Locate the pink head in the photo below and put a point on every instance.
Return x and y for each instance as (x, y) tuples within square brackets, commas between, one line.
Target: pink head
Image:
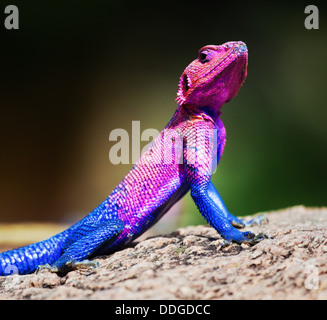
[(215, 77)]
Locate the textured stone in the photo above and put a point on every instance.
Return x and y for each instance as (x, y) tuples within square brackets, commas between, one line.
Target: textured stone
[(189, 264)]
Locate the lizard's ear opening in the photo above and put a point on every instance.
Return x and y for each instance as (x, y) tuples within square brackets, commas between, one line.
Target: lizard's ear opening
[(184, 86), (185, 83)]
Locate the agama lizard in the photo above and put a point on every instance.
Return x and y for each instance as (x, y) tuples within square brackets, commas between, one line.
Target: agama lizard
[(161, 177)]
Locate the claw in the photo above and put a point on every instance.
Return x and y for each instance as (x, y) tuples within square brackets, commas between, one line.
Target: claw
[(46, 267), (225, 244), (259, 237), (253, 239)]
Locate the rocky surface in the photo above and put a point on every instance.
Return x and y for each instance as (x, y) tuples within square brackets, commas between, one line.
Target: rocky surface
[(189, 264)]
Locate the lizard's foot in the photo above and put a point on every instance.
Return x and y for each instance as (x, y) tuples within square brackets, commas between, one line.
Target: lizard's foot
[(254, 239), (92, 243), (70, 265), (250, 239), (257, 221)]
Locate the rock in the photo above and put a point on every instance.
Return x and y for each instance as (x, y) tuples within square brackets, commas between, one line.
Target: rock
[(189, 264)]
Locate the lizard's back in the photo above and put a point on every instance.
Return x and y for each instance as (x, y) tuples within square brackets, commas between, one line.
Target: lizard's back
[(155, 183)]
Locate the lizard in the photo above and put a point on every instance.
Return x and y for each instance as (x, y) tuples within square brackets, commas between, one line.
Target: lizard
[(196, 136)]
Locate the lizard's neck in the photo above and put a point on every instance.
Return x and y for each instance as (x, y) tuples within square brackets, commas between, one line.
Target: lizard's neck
[(204, 112), (214, 114)]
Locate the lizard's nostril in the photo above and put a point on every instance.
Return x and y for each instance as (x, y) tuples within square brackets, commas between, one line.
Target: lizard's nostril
[(242, 48)]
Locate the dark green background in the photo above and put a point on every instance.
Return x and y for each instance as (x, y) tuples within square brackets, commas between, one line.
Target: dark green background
[(75, 70)]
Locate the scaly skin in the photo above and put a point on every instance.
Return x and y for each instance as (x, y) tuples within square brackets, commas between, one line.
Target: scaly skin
[(182, 158)]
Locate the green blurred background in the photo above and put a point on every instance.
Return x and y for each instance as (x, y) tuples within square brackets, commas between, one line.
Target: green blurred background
[(75, 70)]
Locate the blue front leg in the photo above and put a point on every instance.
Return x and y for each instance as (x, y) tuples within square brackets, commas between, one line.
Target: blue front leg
[(235, 221), (198, 159), (217, 215)]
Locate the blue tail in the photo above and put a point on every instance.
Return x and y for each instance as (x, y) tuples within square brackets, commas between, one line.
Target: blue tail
[(26, 259), (90, 235)]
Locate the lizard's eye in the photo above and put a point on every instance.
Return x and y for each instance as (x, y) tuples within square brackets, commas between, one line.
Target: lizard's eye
[(204, 56)]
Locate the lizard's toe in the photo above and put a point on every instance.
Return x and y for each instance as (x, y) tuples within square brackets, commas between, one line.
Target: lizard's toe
[(257, 221), (46, 267), (249, 238), (257, 238), (69, 266), (85, 264)]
